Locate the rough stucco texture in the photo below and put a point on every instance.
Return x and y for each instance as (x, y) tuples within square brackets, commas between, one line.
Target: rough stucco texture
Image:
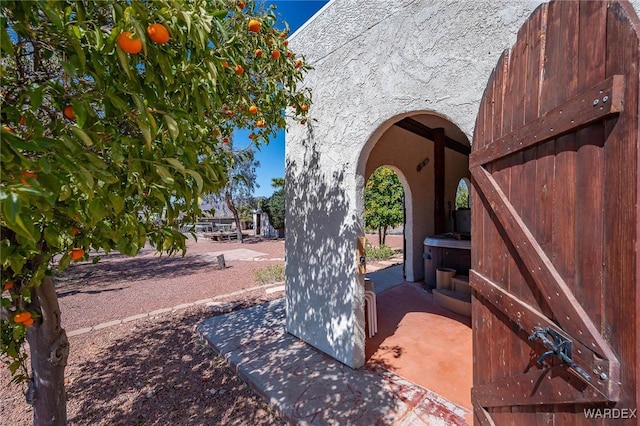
[(374, 61)]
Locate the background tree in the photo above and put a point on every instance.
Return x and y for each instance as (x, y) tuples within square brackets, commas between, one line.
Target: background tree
[(274, 206), (383, 202), (113, 124), (462, 195), (238, 192)]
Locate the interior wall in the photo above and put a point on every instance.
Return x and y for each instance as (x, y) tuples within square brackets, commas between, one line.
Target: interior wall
[(404, 150), (456, 168)]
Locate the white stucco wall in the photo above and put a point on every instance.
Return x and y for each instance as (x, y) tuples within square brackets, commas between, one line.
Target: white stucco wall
[(375, 62)]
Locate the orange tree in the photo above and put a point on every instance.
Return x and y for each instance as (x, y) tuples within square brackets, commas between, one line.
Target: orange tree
[(114, 121)]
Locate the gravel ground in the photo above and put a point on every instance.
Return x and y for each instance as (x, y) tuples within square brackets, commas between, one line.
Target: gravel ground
[(155, 370)]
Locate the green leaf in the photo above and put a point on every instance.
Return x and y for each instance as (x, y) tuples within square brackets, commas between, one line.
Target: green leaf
[(64, 262), (11, 208), (82, 136), (175, 163), (5, 40), (117, 202), (118, 102), (81, 114), (24, 227), (146, 133), (53, 16), (164, 174), (197, 178), (97, 210), (87, 180), (52, 236), (36, 97), (172, 125), (123, 58)]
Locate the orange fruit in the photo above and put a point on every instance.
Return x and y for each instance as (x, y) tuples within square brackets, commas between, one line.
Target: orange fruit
[(294, 106), (286, 42), (230, 114), (254, 26), (258, 53), (22, 316), (283, 34), (75, 231), (26, 174), (240, 5), (129, 44), (239, 70), (275, 54), (225, 140), (251, 136), (217, 132), (76, 253), (253, 109), (304, 107), (298, 63), (158, 33), (303, 121), (260, 123), (28, 322), (23, 121), (67, 111), (8, 286), (225, 64)]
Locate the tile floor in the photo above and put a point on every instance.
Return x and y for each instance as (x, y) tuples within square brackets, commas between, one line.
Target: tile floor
[(422, 342)]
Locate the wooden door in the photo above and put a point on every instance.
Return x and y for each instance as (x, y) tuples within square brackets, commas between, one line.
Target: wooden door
[(555, 232)]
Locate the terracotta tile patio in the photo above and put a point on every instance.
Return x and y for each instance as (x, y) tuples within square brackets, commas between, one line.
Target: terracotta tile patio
[(422, 342)]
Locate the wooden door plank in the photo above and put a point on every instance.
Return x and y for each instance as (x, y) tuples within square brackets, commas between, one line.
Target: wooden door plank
[(575, 113), (621, 224), (569, 313), (589, 282), (524, 110), (550, 385)]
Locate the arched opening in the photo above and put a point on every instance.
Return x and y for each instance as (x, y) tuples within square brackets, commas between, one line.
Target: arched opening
[(417, 334)]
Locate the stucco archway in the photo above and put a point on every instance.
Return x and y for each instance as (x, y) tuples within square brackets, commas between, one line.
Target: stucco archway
[(406, 144)]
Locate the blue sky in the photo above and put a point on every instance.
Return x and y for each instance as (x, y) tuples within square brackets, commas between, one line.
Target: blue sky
[(271, 157)]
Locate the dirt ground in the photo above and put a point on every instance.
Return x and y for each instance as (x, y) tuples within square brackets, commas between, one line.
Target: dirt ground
[(155, 370)]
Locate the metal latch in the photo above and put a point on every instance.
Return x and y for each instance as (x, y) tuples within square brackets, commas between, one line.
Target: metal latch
[(558, 345)]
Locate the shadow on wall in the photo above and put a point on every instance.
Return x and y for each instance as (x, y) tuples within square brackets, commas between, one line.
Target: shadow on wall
[(322, 304)]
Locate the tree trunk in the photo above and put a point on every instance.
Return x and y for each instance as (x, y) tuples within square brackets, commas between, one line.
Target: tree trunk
[(380, 236), (236, 216), (384, 234), (49, 352)]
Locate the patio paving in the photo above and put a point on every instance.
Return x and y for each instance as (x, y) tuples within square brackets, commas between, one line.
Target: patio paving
[(306, 386)]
